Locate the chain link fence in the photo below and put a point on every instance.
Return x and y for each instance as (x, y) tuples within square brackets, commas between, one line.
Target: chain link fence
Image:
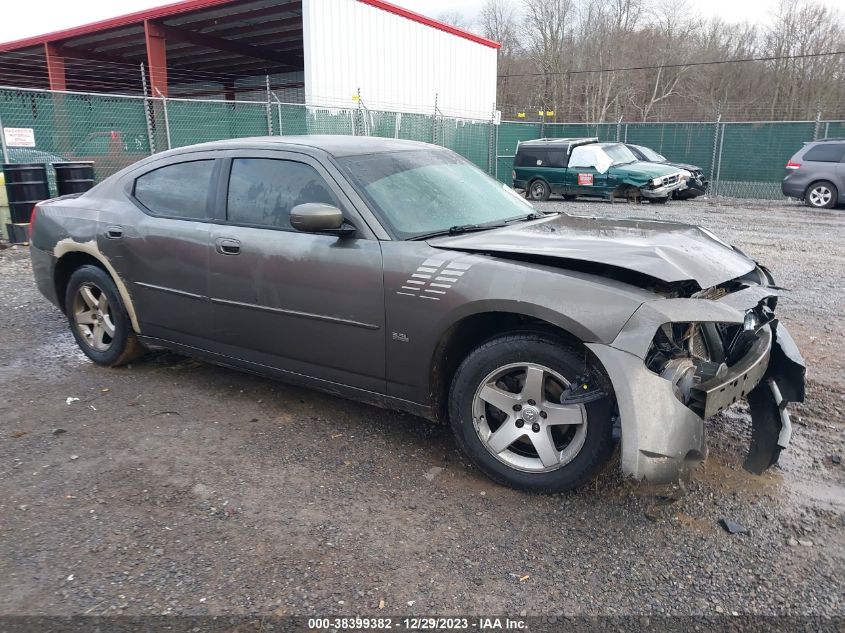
[(741, 159)]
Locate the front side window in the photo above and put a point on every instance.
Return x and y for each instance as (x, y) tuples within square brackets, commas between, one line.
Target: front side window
[(177, 191), (619, 154), (601, 157), (826, 153), (262, 191), (426, 191)]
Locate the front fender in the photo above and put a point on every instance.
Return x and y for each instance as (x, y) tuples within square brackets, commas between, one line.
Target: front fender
[(429, 291)]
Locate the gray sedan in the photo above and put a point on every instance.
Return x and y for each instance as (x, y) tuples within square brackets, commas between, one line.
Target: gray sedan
[(399, 274)]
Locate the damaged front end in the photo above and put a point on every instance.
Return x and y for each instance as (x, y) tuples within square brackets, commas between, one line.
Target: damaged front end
[(663, 186), (679, 361)]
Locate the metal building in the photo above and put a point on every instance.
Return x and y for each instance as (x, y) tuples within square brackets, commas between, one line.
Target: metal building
[(320, 52)]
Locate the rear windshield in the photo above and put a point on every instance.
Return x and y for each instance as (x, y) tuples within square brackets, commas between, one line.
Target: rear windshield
[(651, 155)]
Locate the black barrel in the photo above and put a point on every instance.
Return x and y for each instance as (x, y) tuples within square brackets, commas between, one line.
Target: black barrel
[(74, 177), (26, 184)]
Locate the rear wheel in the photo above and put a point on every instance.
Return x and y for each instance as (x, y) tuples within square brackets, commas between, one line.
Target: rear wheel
[(539, 191), (98, 319), (821, 195), (506, 411)]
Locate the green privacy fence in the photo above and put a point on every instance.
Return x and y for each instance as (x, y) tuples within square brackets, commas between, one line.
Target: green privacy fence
[(741, 159)]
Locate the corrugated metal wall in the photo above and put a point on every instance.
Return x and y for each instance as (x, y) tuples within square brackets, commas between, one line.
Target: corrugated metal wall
[(397, 63)]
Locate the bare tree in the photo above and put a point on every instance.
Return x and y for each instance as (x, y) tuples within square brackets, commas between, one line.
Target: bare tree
[(498, 21), (456, 18), (546, 40), (566, 55)]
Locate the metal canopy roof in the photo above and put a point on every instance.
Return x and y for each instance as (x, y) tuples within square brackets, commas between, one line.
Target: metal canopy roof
[(207, 41)]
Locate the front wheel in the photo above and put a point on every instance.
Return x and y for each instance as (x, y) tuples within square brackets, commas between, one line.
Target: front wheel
[(821, 195), (98, 319), (539, 191), (511, 411), (659, 200)]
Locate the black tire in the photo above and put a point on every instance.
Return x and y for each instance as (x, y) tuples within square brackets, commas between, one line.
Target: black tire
[(569, 196), (659, 200), (539, 190), (121, 347), (559, 357), (821, 195)]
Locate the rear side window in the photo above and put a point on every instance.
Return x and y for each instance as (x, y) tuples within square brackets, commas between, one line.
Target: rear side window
[(177, 191), (540, 157), (262, 191), (826, 153)]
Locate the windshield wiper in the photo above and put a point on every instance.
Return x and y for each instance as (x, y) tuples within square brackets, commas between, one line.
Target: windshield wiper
[(531, 216), (460, 228)]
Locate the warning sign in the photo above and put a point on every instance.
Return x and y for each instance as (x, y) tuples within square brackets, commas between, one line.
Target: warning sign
[(19, 136), (585, 179)]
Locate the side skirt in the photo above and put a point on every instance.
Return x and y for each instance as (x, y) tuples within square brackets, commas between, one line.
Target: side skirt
[(293, 378)]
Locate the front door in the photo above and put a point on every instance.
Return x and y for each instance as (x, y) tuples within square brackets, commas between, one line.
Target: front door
[(310, 304), (586, 181)]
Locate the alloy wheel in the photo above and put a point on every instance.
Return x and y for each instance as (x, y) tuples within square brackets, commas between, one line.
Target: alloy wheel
[(538, 190), (519, 419), (92, 315), (820, 196)]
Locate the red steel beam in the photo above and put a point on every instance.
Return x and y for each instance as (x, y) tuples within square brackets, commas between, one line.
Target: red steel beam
[(55, 67), (156, 58)]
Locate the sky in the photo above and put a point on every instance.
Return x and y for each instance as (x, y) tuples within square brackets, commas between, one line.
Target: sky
[(35, 17)]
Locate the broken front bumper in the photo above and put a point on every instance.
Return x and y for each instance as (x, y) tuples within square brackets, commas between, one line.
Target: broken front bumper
[(660, 434), (661, 192)]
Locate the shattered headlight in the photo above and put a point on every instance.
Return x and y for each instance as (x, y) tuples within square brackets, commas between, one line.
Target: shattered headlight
[(751, 321)]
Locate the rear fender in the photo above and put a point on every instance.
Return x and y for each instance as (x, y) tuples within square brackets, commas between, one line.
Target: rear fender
[(68, 245)]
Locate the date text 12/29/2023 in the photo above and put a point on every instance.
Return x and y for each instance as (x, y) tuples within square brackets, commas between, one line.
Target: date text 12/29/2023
[(416, 624)]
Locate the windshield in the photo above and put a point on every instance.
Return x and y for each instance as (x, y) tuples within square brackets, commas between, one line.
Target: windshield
[(429, 191), (619, 154), (651, 155)]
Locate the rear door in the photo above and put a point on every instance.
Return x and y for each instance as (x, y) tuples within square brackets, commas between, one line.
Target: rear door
[(162, 248), (309, 304)]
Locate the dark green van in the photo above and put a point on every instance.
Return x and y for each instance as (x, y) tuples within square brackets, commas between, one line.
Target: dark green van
[(575, 167)]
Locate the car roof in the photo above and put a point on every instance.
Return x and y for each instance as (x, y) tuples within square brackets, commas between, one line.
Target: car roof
[(334, 145)]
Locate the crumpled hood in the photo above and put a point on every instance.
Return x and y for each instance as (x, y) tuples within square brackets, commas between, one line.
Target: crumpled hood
[(642, 169), (667, 251), (687, 166)]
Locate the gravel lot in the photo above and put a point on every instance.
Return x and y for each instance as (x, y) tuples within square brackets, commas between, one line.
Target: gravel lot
[(176, 487)]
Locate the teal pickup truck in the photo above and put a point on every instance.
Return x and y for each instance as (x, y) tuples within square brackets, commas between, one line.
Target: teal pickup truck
[(575, 167)]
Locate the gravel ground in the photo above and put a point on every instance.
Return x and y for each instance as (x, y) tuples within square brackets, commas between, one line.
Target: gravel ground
[(176, 487)]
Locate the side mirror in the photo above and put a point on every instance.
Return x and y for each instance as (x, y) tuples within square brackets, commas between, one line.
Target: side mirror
[(318, 217)]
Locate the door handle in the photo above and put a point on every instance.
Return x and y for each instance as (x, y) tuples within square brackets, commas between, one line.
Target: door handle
[(228, 246), (114, 232)]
